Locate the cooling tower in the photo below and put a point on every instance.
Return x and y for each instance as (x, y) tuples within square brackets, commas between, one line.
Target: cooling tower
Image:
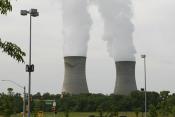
[(75, 75), (125, 81)]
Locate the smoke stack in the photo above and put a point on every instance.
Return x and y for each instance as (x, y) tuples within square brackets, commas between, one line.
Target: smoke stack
[(125, 81), (75, 75)]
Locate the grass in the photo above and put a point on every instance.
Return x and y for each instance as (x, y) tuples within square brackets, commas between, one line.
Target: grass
[(75, 114)]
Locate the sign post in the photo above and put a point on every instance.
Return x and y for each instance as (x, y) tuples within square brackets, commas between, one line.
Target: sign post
[(54, 106)]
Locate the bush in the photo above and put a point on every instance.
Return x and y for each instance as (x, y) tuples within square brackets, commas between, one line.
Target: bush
[(153, 111)]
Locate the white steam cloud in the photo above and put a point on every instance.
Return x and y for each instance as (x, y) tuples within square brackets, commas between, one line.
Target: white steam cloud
[(118, 28), (76, 26)]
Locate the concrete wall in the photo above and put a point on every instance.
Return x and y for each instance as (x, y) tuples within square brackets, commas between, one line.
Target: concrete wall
[(125, 81), (75, 75)]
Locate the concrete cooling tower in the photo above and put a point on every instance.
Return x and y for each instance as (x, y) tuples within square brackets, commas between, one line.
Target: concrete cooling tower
[(125, 81), (75, 75)]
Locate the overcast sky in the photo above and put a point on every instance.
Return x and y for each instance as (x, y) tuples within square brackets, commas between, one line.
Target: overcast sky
[(154, 36)]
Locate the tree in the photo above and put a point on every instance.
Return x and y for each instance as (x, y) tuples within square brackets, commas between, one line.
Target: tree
[(10, 48), (153, 111), (164, 95), (5, 6), (10, 91), (115, 110), (7, 104), (173, 111), (165, 108), (171, 100), (137, 99), (100, 110), (18, 102), (46, 96), (37, 96)]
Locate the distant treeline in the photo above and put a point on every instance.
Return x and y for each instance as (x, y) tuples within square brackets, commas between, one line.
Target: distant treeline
[(162, 102)]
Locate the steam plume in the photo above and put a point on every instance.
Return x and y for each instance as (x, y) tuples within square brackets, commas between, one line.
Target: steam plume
[(118, 28), (76, 26)]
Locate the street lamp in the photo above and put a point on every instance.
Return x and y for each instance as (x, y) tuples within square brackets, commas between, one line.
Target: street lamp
[(24, 88), (30, 67), (144, 57)]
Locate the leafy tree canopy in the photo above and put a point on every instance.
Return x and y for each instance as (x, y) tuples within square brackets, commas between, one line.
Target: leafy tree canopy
[(5, 6)]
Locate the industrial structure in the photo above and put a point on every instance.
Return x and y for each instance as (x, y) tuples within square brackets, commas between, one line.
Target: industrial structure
[(125, 77), (75, 75)]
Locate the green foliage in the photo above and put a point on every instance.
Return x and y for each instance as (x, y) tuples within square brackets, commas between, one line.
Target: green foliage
[(18, 102), (173, 111), (13, 50), (164, 95), (115, 110), (100, 110), (10, 48), (136, 111), (137, 99), (153, 111), (165, 107), (10, 91), (5, 6), (104, 105), (171, 100), (66, 113), (6, 105)]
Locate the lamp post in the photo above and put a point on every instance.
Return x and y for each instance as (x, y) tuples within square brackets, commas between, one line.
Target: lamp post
[(144, 58), (30, 67), (24, 97)]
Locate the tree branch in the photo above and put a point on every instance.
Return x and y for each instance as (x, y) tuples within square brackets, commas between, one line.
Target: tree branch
[(13, 50), (5, 6)]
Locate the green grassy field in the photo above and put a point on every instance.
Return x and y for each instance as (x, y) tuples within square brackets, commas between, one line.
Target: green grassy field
[(78, 114)]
